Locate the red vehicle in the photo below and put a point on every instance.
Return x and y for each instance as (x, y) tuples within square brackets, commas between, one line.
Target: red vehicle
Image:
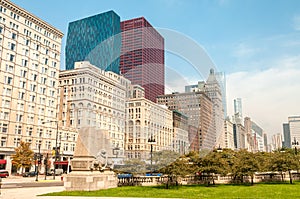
[(4, 174)]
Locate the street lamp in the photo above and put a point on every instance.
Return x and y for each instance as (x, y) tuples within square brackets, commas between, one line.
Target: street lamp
[(295, 142), (56, 152), (38, 159), (219, 149), (151, 141)]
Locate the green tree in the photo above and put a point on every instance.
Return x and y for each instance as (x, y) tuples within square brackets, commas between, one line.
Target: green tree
[(182, 167), (23, 156), (245, 164), (134, 166), (213, 163), (284, 161), (163, 158)]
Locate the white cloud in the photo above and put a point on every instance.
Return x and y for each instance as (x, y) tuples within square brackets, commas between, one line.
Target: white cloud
[(296, 22), (268, 96), (244, 50)]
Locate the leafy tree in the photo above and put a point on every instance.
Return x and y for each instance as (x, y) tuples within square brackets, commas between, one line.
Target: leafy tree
[(182, 167), (213, 163), (283, 161), (24, 156), (245, 164), (134, 166), (163, 158)]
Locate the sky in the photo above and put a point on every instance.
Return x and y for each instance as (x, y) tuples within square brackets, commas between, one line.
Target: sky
[(255, 42)]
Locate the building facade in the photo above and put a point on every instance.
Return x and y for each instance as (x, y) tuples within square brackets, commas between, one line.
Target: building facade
[(294, 126), (228, 130), (197, 106), (181, 143), (213, 90), (29, 64), (148, 125), (96, 39), (286, 135), (142, 56), (91, 97)]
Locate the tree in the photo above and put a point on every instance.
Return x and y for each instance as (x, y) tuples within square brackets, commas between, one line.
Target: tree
[(182, 167), (134, 166), (163, 158), (283, 161), (245, 164), (24, 156), (213, 163)]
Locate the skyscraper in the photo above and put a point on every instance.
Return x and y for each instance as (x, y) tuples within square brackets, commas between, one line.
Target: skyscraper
[(96, 39), (238, 110), (142, 56)]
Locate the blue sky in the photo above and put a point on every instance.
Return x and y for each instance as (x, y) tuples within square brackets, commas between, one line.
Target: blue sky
[(255, 42)]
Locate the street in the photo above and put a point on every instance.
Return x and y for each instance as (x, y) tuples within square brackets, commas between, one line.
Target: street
[(21, 187)]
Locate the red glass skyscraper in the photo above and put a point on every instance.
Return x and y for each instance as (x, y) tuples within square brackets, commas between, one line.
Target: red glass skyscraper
[(142, 56)]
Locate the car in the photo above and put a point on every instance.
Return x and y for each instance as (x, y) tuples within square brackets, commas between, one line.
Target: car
[(58, 172), (4, 174), (30, 174)]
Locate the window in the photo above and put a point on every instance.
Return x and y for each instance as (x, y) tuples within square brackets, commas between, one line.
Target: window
[(13, 35), (19, 117), (3, 141), (7, 91), (3, 128), (29, 131), (21, 95), (6, 103), (24, 62), (8, 80), (11, 57), (18, 129)]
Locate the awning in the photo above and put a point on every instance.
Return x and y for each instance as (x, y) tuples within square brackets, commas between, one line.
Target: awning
[(2, 161), (61, 163)]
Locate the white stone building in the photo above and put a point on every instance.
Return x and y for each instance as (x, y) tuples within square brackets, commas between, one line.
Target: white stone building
[(91, 97), (29, 64), (147, 123)]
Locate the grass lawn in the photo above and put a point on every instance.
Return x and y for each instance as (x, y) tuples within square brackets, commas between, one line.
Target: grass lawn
[(272, 191)]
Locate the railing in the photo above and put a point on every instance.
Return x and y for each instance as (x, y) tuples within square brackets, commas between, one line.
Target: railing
[(203, 179)]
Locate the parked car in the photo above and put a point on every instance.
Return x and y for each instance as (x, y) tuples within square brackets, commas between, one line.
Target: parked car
[(58, 172), (30, 174), (4, 174)]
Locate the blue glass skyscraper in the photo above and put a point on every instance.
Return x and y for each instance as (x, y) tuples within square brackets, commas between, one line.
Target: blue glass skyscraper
[(96, 39)]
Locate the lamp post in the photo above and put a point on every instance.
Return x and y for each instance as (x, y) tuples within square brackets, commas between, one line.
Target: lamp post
[(38, 158), (151, 141), (56, 138), (295, 142)]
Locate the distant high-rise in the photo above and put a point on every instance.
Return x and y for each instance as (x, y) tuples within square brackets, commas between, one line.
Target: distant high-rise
[(142, 56), (96, 39), (220, 76), (286, 135), (238, 110), (294, 127)]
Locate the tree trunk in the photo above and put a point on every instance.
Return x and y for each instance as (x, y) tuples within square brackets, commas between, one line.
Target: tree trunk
[(252, 181), (281, 176), (290, 175)]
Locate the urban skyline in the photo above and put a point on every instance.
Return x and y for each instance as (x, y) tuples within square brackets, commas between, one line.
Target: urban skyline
[(257, 49), (28, 33)]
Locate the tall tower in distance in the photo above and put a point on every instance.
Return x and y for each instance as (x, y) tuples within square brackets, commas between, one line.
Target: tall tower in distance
[(142, 56), (238, 109), (96, 39)]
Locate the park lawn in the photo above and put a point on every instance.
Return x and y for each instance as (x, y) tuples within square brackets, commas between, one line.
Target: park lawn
[(274, 191)]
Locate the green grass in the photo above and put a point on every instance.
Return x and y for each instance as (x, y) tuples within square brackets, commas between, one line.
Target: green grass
[(272, 191)]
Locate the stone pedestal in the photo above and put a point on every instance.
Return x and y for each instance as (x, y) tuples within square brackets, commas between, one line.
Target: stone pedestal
[(89, 165), (90, 180)]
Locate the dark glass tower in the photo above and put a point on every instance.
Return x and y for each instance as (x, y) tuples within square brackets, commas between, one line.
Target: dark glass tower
[(96, 39), (142, 56)]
